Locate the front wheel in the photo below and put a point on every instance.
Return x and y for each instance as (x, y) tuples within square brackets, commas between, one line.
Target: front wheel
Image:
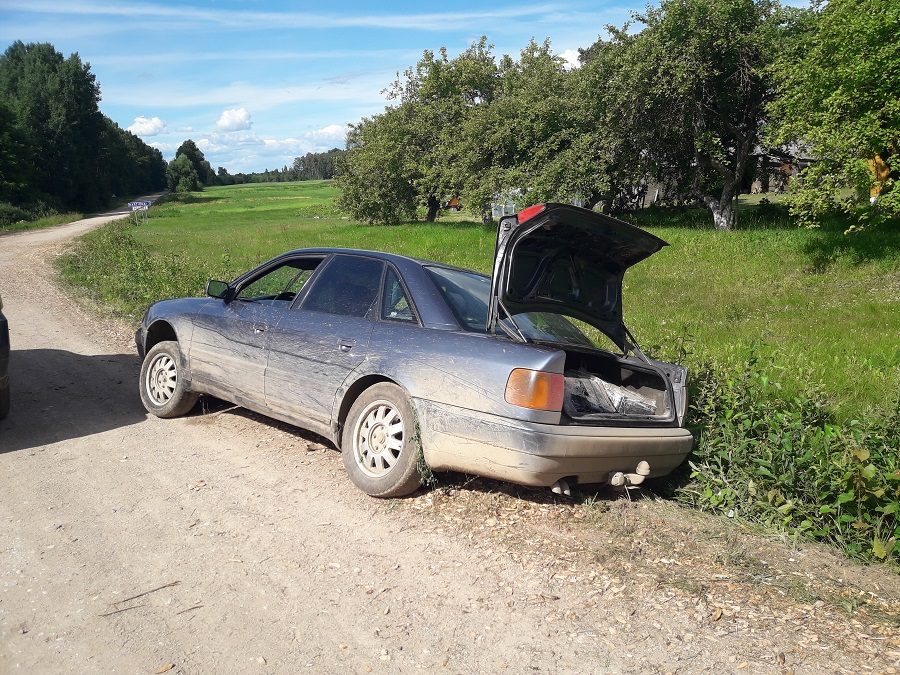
[(379, 447), (163, 389)]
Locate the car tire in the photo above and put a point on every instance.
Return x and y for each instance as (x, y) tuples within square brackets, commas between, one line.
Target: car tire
[(4, 401), (380, 446), (164, 391)]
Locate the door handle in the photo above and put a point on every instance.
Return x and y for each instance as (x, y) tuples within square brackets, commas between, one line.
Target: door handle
[(260, 328), (345, 345)]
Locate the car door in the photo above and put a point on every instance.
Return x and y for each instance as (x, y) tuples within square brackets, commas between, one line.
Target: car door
[(316, 344), (228, 346)]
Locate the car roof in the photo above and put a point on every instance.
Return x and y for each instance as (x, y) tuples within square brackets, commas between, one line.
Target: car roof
[(395, 258)]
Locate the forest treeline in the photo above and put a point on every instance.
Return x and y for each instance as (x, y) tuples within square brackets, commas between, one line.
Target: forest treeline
[(57, 150), (190, 171)]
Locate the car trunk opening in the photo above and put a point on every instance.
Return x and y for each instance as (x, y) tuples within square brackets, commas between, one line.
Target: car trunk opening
[(604, 389)]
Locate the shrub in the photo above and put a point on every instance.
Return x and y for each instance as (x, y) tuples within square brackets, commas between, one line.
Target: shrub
[(10, 214), (784, 462)]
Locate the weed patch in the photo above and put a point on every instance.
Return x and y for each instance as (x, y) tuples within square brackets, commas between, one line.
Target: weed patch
[(112, 268), (784, 461)]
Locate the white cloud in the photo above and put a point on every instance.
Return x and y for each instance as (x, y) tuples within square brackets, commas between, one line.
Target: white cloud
[(284, 144), (165, 148), (236, 119), (571, 58), (333, 133), (147, 126)]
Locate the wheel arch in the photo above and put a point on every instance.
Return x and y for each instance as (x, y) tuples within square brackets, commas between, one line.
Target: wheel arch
[(159, 331), (354, 391)]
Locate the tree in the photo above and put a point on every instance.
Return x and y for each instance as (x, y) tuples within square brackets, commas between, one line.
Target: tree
[(223, 177), (181, 176), (55, 101), (521, 138), (413, 149), (316, 165), (56, 148), (202, 167), (437, 96), (839, 97), (16, 174), (689, 93), (375, 180)]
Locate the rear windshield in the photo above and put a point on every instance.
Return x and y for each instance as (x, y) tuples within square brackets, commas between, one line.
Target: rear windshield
[(468, 293)]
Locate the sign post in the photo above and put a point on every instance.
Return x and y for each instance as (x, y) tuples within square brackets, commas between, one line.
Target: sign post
[(141, 208)]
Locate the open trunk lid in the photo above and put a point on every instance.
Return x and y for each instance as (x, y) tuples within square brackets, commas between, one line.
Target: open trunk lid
[(566, 260)]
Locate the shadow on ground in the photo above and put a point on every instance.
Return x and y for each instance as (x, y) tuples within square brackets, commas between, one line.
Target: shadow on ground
[(830, 244), (59, 395)]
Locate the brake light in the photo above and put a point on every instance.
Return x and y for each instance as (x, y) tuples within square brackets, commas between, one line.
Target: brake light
[(535, 389), (531, 212)]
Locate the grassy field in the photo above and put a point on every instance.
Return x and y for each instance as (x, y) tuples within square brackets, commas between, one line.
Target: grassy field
[(823, 306)]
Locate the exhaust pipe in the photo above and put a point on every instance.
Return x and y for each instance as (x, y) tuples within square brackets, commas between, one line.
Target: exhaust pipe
[(561, 487)]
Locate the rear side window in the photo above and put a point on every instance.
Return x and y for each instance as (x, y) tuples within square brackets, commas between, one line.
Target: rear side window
[(348, 286), (394, 303)]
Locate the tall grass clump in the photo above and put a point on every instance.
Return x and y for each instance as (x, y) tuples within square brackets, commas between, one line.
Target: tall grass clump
[(782, 460), (111, 267)]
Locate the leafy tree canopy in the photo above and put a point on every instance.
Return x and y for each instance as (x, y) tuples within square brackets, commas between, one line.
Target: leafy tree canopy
[(202, 167), (181, 176), (839, 99)]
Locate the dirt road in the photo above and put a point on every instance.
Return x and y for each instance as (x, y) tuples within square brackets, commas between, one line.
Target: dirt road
[(225, 543)]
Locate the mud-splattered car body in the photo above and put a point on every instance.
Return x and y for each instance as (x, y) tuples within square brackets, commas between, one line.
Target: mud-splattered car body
[(490, 367)]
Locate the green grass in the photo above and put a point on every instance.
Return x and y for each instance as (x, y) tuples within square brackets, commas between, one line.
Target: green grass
[(817, 303), (46, 221)]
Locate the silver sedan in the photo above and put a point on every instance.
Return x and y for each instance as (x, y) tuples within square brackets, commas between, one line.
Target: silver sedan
[(528, 376)]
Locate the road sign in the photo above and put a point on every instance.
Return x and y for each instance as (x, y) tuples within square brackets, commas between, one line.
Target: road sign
[(136, 206)]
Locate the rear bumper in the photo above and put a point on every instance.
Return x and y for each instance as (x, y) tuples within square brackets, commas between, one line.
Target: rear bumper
[(528, 453)]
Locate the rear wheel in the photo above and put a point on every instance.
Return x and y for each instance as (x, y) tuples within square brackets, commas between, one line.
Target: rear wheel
[(380, 450), (163, 389)]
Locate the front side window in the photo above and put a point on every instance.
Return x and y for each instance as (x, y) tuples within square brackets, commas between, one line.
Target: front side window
[(348, 286), (394, 303), (280, 286)]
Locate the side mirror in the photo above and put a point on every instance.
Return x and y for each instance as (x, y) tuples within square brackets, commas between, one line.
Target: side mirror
[(218, 289)]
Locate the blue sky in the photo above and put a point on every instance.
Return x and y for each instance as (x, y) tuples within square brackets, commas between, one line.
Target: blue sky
[(256, 83)]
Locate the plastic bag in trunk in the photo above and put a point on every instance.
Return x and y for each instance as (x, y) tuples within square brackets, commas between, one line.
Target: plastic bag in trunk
[(587, 394)]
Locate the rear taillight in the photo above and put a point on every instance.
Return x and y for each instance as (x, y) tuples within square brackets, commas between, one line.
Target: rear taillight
[(530, 212), (535, 389)]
